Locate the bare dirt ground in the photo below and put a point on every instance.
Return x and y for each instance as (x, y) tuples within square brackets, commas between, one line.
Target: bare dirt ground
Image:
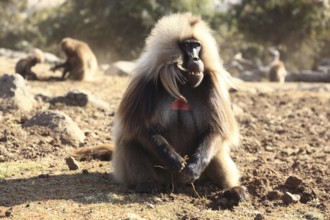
[(285, 148)]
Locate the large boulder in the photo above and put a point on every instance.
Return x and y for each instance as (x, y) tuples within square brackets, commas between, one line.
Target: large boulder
[(15, 93), (61, 126), (75, 98), (121, 68)]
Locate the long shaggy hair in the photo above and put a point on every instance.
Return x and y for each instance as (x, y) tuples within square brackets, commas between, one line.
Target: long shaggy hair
[(161, 62), (82, 59)]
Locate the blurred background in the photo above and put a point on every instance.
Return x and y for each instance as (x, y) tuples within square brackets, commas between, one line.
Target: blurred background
[(116, 29)]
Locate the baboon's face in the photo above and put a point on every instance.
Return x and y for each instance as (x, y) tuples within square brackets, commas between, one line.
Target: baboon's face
[(193, 67)]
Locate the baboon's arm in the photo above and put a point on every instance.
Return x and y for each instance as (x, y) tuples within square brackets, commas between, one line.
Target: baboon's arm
[(159, 146), (201, 158)]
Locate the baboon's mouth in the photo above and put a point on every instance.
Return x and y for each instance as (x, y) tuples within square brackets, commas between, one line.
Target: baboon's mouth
[(193, 79), (195, 73)]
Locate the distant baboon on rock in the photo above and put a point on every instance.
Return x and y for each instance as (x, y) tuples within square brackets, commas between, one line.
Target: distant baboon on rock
[(24, 65), (277, 71), (80, 64)]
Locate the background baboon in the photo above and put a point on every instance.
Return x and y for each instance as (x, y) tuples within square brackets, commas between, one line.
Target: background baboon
[(80, 64), (175, 122), (24, 65), (277, 71)]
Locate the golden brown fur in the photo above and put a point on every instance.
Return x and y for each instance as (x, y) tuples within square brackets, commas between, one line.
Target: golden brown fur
[(81, 63), (277, 72), (103, 152), (147, 134), (24, 65)]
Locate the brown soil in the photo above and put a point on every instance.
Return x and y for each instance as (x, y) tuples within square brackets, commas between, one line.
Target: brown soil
[(285, 133)]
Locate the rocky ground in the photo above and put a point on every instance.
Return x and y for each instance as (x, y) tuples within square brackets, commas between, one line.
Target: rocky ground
[(284, 157)]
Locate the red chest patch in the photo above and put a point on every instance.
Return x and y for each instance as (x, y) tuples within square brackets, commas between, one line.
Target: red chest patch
[(180, 104)]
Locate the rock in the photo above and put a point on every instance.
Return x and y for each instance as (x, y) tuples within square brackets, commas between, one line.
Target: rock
[(8, 213), (76, 98), (51, 58), (44, 175), (15, 93), (292, 182), (12, 53), (73, 98), (274, 195), (60, 125), (150, 206), (308, 76), (157, 199), (121, 68), (250, 76), (259, 217), (289, 198), (72, 163)]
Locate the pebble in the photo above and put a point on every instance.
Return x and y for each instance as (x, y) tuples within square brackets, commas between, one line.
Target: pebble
[(274, 195), (289, 198), (8, 213), (72, 163), (150, 206), (293, 182), (44, 175), (259, 217)]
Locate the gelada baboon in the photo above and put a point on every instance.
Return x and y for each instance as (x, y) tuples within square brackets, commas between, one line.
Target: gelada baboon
[(24, 65), (277, 71), (80, 64), (175, 123)]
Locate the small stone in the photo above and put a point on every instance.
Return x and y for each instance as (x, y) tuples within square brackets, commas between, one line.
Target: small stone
[(84, 171), (292, 182), (274, 195), (150, 206), (289, 198), (8, 213), (259, 217), (44, 175), (269, 148), (157, 199), (72, 163)]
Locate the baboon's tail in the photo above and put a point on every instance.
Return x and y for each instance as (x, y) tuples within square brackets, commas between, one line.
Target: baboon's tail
[(100, 152)]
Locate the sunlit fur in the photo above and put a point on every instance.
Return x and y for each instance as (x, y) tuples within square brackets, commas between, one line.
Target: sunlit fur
[(161, 60), (83, 63), (277, 71)]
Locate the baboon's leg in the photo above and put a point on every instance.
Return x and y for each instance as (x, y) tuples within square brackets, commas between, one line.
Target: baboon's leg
[(222, 170), (132, 166)]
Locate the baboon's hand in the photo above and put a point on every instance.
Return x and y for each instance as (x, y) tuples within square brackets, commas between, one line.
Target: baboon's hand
[(190, 173), (175, 162)]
